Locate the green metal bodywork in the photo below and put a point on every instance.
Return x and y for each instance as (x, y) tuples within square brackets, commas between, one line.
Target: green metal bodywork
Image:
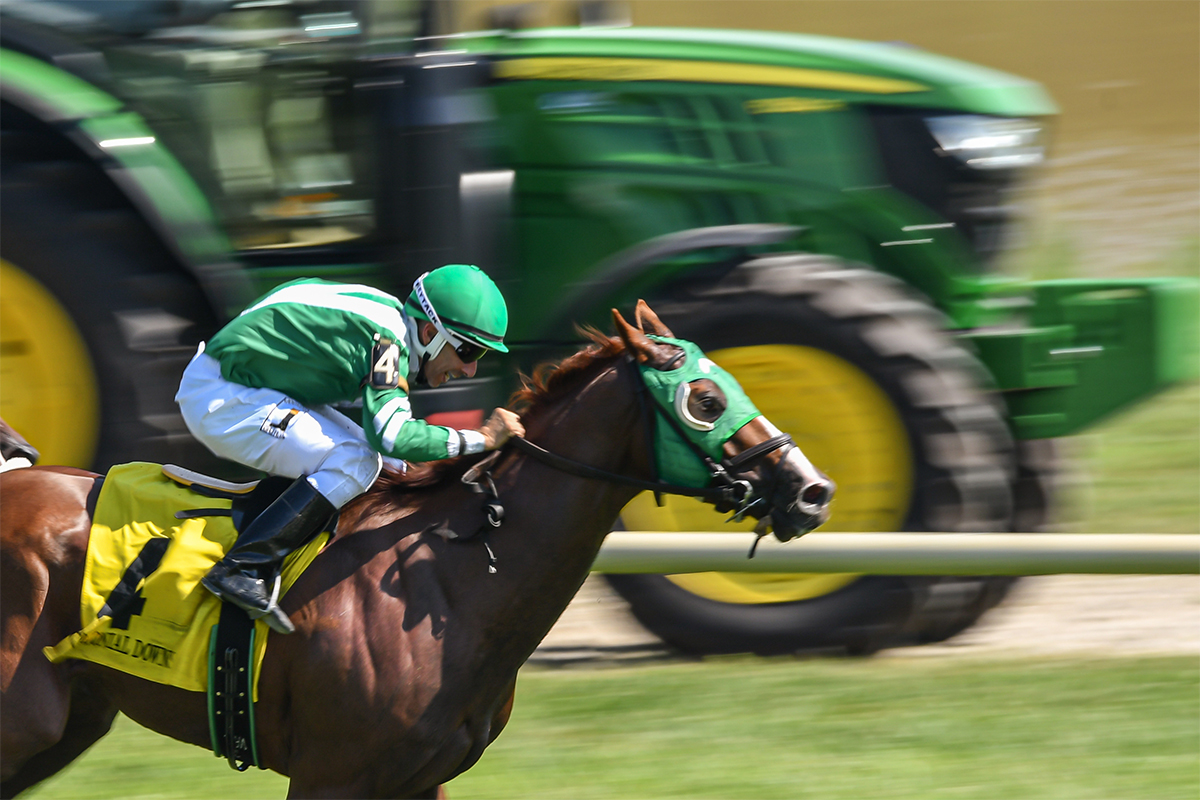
[(618, 136), (155, 182), (918, 78), (630, 157), (60, 95), (1094, 347)]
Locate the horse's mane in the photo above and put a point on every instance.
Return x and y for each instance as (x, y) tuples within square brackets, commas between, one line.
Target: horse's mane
[(548, 384)]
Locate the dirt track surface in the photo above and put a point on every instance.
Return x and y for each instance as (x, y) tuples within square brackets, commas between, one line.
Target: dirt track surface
[(1070, 615)]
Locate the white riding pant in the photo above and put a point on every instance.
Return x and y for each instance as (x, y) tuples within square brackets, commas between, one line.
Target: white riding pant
[(267, 430)]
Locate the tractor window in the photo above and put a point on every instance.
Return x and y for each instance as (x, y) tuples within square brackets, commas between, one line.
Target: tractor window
[(258, 102)]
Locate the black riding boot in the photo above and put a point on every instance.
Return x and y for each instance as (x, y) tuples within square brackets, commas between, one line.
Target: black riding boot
[(248, 575)]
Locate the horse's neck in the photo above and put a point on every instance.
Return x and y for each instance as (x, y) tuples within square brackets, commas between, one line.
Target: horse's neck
[(555, 522)]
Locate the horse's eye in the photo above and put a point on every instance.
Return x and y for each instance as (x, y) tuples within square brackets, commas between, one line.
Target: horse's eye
[(707, 401)]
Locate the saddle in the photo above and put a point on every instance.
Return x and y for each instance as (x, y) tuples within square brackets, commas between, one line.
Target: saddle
[(156, 532)]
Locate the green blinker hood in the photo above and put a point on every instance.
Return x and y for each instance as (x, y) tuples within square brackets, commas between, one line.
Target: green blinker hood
[(678, 463)]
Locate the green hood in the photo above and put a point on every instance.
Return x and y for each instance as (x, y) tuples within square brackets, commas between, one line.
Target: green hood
[(678, 463)]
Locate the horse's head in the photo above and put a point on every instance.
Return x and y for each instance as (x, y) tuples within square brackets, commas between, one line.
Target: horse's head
[(708, 432)]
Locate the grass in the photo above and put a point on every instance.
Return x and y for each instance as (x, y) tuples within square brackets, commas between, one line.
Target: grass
[(1140, 472), (830, 729), (752, 728), (782, 728)]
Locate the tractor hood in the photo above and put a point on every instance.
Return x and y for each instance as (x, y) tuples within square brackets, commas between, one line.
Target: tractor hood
[(846, 69)]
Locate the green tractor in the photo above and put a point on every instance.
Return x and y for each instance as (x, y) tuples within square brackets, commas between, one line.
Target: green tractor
[(822, 215)]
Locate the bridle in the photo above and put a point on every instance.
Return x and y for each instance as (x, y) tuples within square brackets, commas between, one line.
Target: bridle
[(724, 485)]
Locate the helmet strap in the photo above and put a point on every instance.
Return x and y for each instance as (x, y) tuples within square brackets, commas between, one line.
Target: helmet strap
[(422, 354), (427, 352), (421, 379), (426, 306)]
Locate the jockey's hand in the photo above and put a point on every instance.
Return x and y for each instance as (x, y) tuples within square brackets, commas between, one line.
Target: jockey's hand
[(500, 426)]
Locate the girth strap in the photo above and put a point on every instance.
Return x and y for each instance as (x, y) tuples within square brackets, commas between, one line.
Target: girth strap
[(230, 689)]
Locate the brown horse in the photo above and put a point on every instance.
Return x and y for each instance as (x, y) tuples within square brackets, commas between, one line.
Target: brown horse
[(405, 657)]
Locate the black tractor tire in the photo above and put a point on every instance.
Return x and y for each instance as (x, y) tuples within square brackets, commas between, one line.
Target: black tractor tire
[(963, 462), (74, 242), (955, 604)]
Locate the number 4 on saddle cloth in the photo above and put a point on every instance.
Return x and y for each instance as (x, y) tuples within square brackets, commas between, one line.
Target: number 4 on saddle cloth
[(156, 532)]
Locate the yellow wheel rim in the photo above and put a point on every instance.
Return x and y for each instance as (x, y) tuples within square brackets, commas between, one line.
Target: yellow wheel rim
[(844, 423), (47, 384)]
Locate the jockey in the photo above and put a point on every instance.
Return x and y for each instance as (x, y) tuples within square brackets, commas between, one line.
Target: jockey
[(258, 394)]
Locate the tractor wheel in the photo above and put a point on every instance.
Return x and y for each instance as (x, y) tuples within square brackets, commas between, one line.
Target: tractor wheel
[(97, 322), (864, 378), (955, 604)]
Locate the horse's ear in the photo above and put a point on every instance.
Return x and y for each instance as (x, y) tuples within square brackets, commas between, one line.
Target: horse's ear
[(649, 322), (635, 341), (645, 350)]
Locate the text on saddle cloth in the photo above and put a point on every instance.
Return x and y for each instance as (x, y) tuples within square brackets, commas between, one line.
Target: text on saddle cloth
[(143, 609)]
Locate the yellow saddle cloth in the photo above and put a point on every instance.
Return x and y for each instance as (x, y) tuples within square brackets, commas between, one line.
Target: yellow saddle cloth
[(162, 633)]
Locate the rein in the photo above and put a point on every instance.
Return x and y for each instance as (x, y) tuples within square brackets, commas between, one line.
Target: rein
[(579, 469)]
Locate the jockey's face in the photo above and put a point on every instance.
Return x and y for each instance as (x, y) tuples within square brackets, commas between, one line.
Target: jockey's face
[(446, 364)]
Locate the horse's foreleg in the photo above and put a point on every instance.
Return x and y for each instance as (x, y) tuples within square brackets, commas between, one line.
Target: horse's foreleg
[(26, 582), (46, 720), (35, 694), (36, 710), (90, 716)]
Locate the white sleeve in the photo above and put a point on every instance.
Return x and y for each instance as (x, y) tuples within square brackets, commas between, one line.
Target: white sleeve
[(464, 442)]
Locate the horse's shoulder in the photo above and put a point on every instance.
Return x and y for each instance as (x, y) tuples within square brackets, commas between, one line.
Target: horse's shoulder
[(44, 532), (45, 508)]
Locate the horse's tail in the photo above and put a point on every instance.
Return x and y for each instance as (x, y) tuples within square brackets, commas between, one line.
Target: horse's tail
[(15, 452)]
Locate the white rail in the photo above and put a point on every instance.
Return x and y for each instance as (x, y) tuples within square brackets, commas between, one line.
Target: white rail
[(904, 553)]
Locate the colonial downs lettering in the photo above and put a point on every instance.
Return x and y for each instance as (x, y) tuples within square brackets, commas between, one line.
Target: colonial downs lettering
[(134, 648)]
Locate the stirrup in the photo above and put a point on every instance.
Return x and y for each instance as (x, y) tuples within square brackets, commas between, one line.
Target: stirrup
[(270, 613), (274, 617)]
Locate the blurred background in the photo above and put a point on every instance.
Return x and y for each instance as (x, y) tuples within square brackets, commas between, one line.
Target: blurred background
[(1119, 196), (369, 141)]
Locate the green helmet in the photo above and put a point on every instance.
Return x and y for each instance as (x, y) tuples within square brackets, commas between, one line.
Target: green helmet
[(462, 300)]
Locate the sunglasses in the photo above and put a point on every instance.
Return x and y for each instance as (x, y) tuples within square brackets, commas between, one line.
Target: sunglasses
[(469, 351)]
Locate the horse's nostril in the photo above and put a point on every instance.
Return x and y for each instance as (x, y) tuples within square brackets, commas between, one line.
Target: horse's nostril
[(814, 494)]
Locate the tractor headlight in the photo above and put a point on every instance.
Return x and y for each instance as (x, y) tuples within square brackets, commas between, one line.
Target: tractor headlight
[(989, 142)]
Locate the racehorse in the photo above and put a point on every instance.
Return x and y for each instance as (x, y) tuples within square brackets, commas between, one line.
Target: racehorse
[(403, 665)]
